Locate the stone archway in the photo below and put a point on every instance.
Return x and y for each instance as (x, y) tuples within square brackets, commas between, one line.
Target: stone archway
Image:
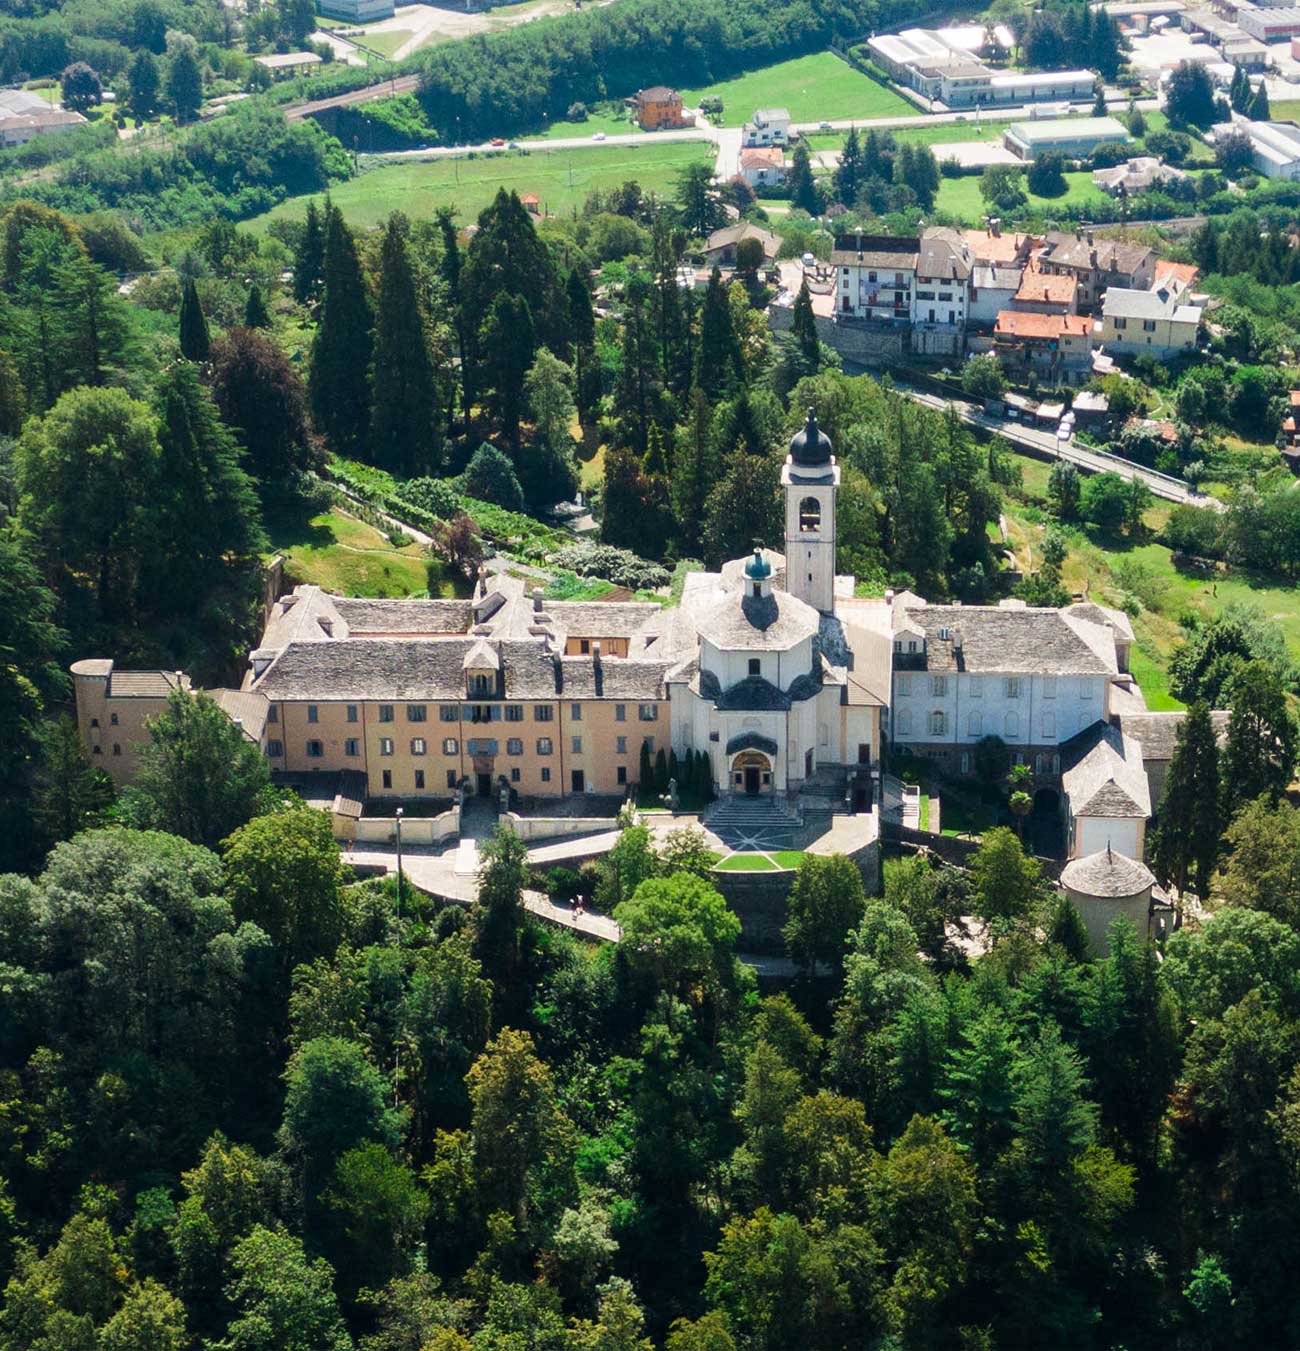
[(751, 773)]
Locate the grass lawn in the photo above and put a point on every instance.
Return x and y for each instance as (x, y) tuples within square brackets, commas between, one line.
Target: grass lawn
[(611, 119), (341, 554), (814, 88), (591, 468), (1285, 111), (561, 178), (747, 863), (788, 858), (941, 133), (924, 818), (385, 42), (961, 197)]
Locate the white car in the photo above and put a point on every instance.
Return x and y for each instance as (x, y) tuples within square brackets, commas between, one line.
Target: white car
[(598, 136)]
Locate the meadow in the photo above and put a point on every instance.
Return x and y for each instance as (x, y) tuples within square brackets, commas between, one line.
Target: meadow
[(961, 197)]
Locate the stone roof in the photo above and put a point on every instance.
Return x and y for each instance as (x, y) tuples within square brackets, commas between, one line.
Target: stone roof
[(1108, 875), (1010, 640), (145, 684), (428, 617), (1123, 303), (245, 707), (657, 93), (745, 229), (602, 619), (882, 251), (996, 276), (1157, 733), (943, 255), (1088, 253), (1105, 774), (1102, 614), (772, 623)]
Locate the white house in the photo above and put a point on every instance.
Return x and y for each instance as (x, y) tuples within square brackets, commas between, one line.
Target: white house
[(771, 126), (1107, 797), (763, 167), (992, 288), (875, 276), (943, 269)]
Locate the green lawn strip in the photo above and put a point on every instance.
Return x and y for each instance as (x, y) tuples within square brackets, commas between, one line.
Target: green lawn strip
[(961, 197), (747, 863), (818, 87), (561, 178), (787, 858), (603, 119), (924, 819), (385, 43)]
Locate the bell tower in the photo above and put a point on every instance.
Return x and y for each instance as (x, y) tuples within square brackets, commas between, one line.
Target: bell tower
[(810, 477)]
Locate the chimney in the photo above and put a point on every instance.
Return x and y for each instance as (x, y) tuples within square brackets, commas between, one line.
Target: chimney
[(889, 595), (1090, 238), (1092, 258), (597, 671), (595, 654)]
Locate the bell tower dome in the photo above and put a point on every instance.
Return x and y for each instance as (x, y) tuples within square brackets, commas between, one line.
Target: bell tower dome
[(810, 478)]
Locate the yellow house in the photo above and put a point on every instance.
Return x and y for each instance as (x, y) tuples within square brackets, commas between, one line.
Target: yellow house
[(1157, 321)]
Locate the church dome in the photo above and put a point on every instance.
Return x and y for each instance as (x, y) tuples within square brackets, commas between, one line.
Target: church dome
[(811, 446), (758, 569)]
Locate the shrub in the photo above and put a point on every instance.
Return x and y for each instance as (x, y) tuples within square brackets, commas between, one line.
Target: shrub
[(619, 566), (437, 496)]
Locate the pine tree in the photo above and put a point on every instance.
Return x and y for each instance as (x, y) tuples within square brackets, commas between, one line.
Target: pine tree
[(403, 436), (851, 172), (1259, 109), (339, 384), (185, 82), (13, 399), (1260, 753), (803, 189), (717, 355), (255, 315), (144, 84), (1186, 844), (195, 342), (508, 341), (309, 258), (925, 176), (582, 334), (694, 471), (804, 328)]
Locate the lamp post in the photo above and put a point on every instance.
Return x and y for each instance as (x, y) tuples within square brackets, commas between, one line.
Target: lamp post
[(398, 814)]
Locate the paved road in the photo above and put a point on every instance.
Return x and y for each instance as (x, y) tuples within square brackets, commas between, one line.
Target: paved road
[(1049, 446)]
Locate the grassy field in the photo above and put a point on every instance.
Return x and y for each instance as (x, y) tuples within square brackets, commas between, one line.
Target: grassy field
[(612, 119), (344, 555), (561, 178), (961, 197), (814, 88), (386, 42), (1285, 111), (941, 133)]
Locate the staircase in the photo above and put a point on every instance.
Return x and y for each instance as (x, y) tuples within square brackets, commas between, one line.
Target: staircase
[(765, 822)]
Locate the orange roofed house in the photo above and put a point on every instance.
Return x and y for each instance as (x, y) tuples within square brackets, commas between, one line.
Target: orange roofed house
[(659, 107), (1056, 347)]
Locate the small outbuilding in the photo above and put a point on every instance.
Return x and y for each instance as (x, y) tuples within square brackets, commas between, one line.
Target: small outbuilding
[(1107, 884)]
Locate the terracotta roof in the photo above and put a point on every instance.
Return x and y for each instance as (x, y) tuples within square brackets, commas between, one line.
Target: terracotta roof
[(1046, 287), (986, 247), (1182, 273), (1015, 324), (1107, 874), (745, 229), (762, 157)]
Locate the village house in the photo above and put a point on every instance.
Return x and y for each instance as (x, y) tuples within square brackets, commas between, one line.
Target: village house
[(763, 167), (1057, 348), (24, 116), (1045, 293), (1135, 175), (660, 108), (1155, 321), (943, 268), (875, 277), (770, 126), (1097, 263), (993, 286), (720, 247)]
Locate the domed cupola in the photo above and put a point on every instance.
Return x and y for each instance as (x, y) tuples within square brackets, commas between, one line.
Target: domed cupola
[(758, 575), (811, 447)]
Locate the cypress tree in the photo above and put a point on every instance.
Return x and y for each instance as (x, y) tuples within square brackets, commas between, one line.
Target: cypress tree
[(645, 775), (340, 356), (508, 341), (1099, 102), (693, 474), (1259, 109), (717, 355), (582, 334), (803, 189), (674, 769), (804, 329), (195, 341), (661, 771), (402, 436), (309, 258), (851, 171), (255, 315), (1186, 844)]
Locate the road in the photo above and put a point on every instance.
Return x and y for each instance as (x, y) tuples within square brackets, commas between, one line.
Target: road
[(1049, 446)]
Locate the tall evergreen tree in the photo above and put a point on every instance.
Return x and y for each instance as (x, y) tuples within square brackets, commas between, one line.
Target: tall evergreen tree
[(309, 257), (1186, 844), (851, 172), (717, 354), (450, 267), (340, 356), (1259, 107), (804, 329), (13, 398), (144, 84), (803, 189), (1260, 754), (185, 81), (582, 334), (508, 341), (255, 315), (693, 474), (195, 341), (403, 436)]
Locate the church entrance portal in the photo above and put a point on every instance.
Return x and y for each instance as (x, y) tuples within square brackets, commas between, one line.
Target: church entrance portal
[(751, 773)]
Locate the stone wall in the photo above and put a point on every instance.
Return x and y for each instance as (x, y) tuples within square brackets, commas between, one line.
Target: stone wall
[(862, 343), (383, 829), (557, 827)]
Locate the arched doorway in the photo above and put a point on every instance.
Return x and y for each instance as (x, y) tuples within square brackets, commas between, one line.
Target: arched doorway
[(751, 773)]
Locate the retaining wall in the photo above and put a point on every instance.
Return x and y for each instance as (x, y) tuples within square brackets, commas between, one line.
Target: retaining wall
[(415, 829), (557, 827)]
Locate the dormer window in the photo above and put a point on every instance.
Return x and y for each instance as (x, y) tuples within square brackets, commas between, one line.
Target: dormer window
[(481, 682)]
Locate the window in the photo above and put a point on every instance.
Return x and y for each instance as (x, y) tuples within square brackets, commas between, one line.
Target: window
[(1012, 688), (275, 749), (315, 750), (514, 712), (385, 712), (1049, 687), (419, 778), (97, 750), (312, 713), (1148, 326), (451, 778), (388, 778), (117, 748), (514, 774), (1011, 724), (543, 745), (975, 724), (273, 713), (575, 712), (622, 774), (576, 745), (620, 745), (415, 712), (480, 684), (810, 516), (758, 590), (450, 746), (1049, 724), (418, 745), (649, 743), (936, 723), (352, 746), (938, 686), (648, 712), (352, 712), (543, 713), (975, 687), (965, 762), (546, 774), (620, 712), (904, 685), (584, 646), (449, 712), (1085, 688), (514, 746), (385, 745), (112, 719), (1121, 324), (904, 722)]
